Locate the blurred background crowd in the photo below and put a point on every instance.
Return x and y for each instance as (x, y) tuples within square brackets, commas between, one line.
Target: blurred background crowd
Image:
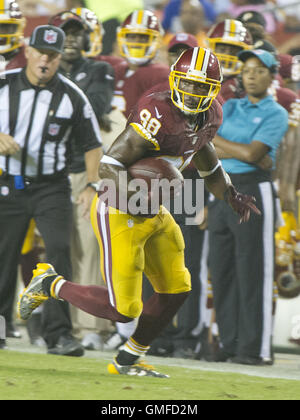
[(282, 16)]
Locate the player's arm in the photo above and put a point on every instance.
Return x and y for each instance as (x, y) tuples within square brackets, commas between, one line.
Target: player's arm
[(219, 184), (210, 169), (130, 146)]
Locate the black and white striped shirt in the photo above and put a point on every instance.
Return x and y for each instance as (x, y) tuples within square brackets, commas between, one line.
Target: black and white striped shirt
[(42, 120)]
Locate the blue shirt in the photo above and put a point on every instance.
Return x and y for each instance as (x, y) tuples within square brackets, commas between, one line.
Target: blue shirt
[(243, 122)]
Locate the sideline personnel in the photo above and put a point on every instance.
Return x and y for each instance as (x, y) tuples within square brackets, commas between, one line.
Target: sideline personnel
[(96, 80), (242, 280), (40, 110)]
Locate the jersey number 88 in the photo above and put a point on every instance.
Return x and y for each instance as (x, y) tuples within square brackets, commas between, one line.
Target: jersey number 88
[(150, 123)]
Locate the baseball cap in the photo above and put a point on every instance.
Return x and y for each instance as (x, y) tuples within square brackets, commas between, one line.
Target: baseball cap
[(251, 16), (48, 37), (62, 20), (183, 38), (265, 57), (263, 44)]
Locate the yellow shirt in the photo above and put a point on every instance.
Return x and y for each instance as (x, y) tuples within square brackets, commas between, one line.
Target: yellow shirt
[(107, 9)]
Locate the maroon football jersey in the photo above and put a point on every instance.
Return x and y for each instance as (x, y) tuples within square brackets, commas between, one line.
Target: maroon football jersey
[(18, 61), (111, 59), (130, 85), (231, 88), (171, 135), (290, 101)]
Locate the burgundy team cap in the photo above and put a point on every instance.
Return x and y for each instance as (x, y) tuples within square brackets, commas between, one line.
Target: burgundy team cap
[(183, 38)]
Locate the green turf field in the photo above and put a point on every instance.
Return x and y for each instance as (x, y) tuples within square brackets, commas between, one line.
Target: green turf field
[(29, 376)]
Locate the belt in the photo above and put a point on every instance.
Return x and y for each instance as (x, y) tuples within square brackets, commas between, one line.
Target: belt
[(36, 179)]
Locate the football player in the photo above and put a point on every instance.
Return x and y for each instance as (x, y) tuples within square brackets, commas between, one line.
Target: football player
[(95, 35), (139, 37), (226, 39), (12, 25), (176, 125)]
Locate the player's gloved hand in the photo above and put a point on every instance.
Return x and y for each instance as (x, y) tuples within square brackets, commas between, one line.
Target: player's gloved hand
[(241, 204)]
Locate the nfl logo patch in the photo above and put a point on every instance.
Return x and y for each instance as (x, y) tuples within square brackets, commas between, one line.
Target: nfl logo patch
[(50, 36), (4, 190), (53, 129)]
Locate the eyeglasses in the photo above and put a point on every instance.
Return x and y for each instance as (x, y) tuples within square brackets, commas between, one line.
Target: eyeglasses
[(256, 71)]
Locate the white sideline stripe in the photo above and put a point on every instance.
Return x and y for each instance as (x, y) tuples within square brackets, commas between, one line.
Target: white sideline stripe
[(268, 238), (106, 252), (203, 279)]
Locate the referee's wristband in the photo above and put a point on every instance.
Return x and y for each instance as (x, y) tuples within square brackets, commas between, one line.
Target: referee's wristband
[(93, 185)]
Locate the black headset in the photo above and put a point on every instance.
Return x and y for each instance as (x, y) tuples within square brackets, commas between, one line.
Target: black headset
[(54, 21)]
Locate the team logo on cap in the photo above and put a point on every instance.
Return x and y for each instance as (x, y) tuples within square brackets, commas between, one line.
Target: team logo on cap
[(50, 36)]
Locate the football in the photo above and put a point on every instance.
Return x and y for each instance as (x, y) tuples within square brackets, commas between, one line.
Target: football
[(155, 171), (155, 168)]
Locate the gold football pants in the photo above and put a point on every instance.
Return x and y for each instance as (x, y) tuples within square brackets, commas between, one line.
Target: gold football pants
[(130, 245)]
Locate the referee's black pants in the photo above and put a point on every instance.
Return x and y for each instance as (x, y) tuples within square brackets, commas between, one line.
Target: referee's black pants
[(49, 203), (241, 261)]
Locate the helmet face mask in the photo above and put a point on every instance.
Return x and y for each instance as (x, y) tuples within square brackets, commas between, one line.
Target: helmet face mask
[(139, 37), (195, 80), (236, 37), (227, 56), (12, 25), (295, 69), (96, 30)]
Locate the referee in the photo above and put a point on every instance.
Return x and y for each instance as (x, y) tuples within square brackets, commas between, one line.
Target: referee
[(40, 111), (96, 80)]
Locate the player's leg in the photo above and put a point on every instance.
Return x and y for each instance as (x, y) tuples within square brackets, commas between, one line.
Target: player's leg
[(165, 268), (121, 250), (85, 258)]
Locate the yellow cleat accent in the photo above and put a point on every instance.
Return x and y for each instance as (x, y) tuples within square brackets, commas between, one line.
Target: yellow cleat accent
[(112, 369), (33, 295), (138, 369)]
